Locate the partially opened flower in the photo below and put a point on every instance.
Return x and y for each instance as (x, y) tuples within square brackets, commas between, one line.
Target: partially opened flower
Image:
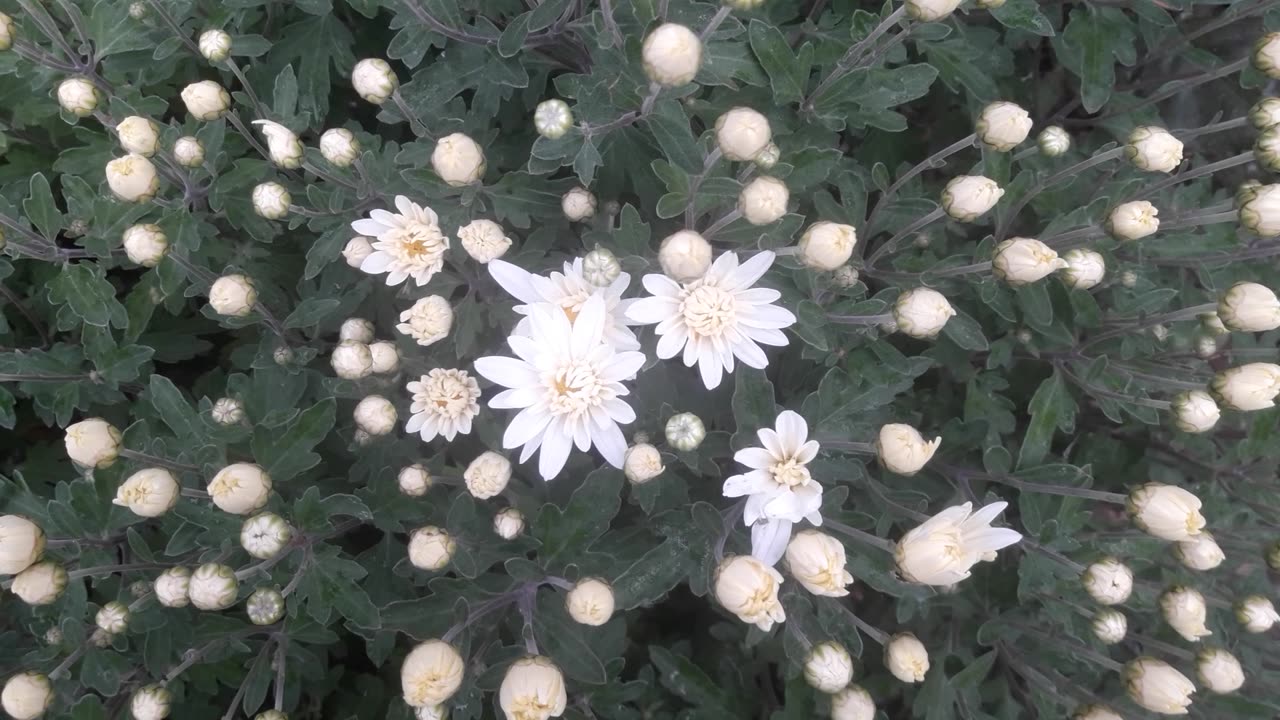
[(444, 404), (568, 290), (945, 547), (407, 244)]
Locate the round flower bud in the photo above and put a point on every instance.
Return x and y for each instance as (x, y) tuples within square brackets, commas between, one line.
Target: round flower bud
[(429, 320), (271, 200), (263, 536), (1185, 611), (1003, 125), (458, 160), (685, 432), (742, 133), (339, 146), (92, 443), (7, 32), (552, 118), (240, 488), (1265, 114), (26, 696), (140, 589), (768, 157), (484, 240), (1260, 213), (901, 449), (1128, 278), (578, 204), (215, 45), (414, 480), (1133, 220), (748, 588), (150, 703), (744, 4), (351, 360), (358, 248), (431, 712), (385, 356), (1108, 581), (227, 411), (1110, 626), (1053, 141), (78, 96), (1266, 55), (431, 674), (846, 276), (356, 330), (265, 606), (827, 245), (853, 703), (532, 689), (232, 295), (1019, 261), (590, 602), (1206, 346), (968, 197), (1249, 307), (138, 135), (145, 245), (922, 313), (1245, 192), (1154, 148), (375, 415), (1158, 687), (1194, 411), (487, 475), (41, 583), (206, 100), (828, 668), (112, 618), (431, 548), (172, 587), (374, 80), (188, 151), (1095, 712), (600, 267), (1256, 614), (213, 587), (1266, 149), (930, 10), (271, 715), (508, 524), (672, 55), (283, 145), (763, 200), (148, 493), (132, 178), (1084, 270), (817, 561), (1253, 386), (685, 256), (907, 658), (1165, 511), (1219, 670), (642, 463)]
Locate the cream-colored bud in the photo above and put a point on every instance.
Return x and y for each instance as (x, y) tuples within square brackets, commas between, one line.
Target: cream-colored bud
[(590, 602), (206, 100), (642, 463), (414, 480), (1249, 307), (1084, 270), (7, 31), (138, 135), (1266, 149), (484, 240), (1165, 511), (817, 561), (532, 689), (213, 587), (1266, 55), (265, 606), (150, 703), (748, 588), (458, 160), (1260, 213), (172, 587), (1053, 141), (148, 493), (1194, 411), (1133, 220), (429, 320), (282, 144), (41, 583), (742, 133), (671, 55), (233, 295), (601, 267), (26, 696), (552, 118), (132, 178), (901, 449), (1110, 626), (357, 249), (853, 703), (922, 313), (215, 45), (1003, 125), (112, 618), (1158, 687), (356, 330), (431, 548), (828, 668), (1108, 581), (1019, 261), (685, 256), (385, 356), (907, 658), (188, 151), (78, 96), (1219, 670), (375, 415), (271, 200), (1129, 278), (263, 536), (487, 476), (93, 443), (1185, 611), (578, 204), (240, 488), (508, 524), (827, 245), (1154, 148), (1245, 192), (744, 5), (1095, 712), (1253, 386), (942, 550), (763, 200), (685, 432), (145, 245), (845, 276), (968, 197), (1257, 614), (374, 80), (768, 157), (1265, 114), (339, 146), (432, 672), (930, 10), (351, 360)]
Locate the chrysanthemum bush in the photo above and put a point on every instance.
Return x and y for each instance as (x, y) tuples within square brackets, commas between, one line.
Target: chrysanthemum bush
[(774, 359)]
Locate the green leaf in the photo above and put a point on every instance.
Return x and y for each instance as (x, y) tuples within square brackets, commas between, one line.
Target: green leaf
[(174, 409), (562, 639), (114, 31), (753, 406), (1023, 15), (654, 574), (84, 288), (513, 36), (284, 100), (311, 311), (41, 209), (1051, 408), (571, 531), (688, 681), (787, 73), (284, 454), (965, 332), (974, 672)]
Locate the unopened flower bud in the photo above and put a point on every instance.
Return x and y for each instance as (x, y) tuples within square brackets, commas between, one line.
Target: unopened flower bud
[(827, 245), (227, 411), (215, 45), (26, 696), (1053, 141), (600, 267), (763, 200), (487, 475), (1260, 213), (351, 360), (1185, 611), (271, 200), (150, 703), (458, 160), (78, 96), (1194, 411), (145, 245), (240, 488), (263, 536), (1095, 712), (375, 415), (508, 524), (282, 144), (1108, 581), (1020, 261), (1257, 614), (1266, 55), (828, 667), (1158, 687), (1249, 307), (172, 587), (768, 157), (431, 548), (138, 135), (339, 147), (930, 10), (845, 276), (356, 330), (1133, 220), (148, 493), (685, 432), (642, 463), (188, 151), (233, 295), (93, 443), (429, 320), (385, 357), (206, 100), (1219, 670), (357, 249), (748, 588), (1003, 125), (922, 313), (7, 32), (41, 583), (532, 689), (552, 118), (742, 133), (374, 80), (968, 197), (431, 674), (578, 204), (853, 703), (817, 561), (414, 480), (132, 178), (1084, 270), (1252, 386), (213, 587), (112, 618), (1265, 113), (685, 256), (1166, 511), (901, 449), (907, 658), (672, 55), (265, 606), (1154, 148), (1110, 626), (484, 240), (590, 602)]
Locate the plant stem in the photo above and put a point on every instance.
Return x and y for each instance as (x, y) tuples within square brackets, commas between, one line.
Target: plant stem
[(1178, 87), (1233, 161), (148, 459), (932, 162), (714, 23), (891, 244), (1110, 497), (865, 448), (1111, 394), (415, 124), (65, 665), (1068, 172), (282, 652), (860, 319), (852, 55), (1151, 321), (1074, 647), (1194, 220), (860, 535), (695, 182), (720, 224)]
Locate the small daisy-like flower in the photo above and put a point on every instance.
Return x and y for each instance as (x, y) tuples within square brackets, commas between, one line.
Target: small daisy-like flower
[(568, 291), (428, 320), (717, 317), (444, 402), (407, 244)]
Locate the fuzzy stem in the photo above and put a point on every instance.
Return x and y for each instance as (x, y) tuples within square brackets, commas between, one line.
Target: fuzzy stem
[(723, 222), (861, 536), (854, 53), (850, 446), (1178, 87), (415, 124), (714, 23), (932, 162), (860, 319), (1197, 220), (1110, 497), (1068, 172), (891, 244), (1233, 161), (1153, 320), (148, 459)]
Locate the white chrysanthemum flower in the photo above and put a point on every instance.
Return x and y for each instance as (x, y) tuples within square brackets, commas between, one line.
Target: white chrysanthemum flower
[(429, 320), (431, 673), (944, 549), (41, 583), (566, 380), (749, 588), (717, 317), (907, 658), (1219, 670), (444, 403), (407, 244), (1252, 386), (1185, 610), (817, 561), (138, 135), (590, 602), (484, 240), (173, 586), (1257, 614), (487, 476), (1166, 511), (779, 489), (357, 249), (532, 689), (568, 291), (1158, 687)]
